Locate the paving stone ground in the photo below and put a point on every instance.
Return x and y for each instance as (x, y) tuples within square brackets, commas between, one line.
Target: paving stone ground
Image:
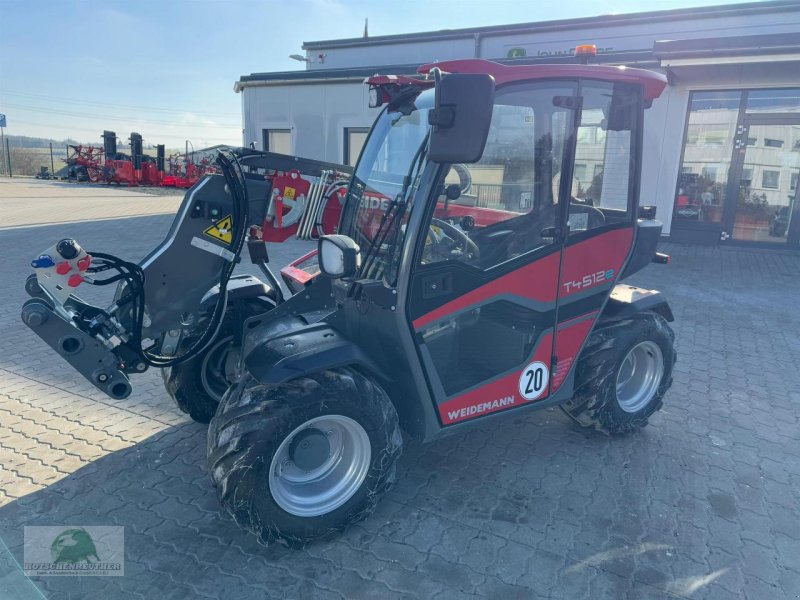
[(703, 503)]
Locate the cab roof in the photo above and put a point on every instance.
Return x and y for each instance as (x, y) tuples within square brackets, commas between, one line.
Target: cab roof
[(653, 83)]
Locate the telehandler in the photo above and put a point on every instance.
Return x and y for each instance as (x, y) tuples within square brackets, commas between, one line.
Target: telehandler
[(468, 268)]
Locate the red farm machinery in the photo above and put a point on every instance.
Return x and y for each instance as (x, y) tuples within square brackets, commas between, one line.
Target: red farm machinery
[(107, 164)]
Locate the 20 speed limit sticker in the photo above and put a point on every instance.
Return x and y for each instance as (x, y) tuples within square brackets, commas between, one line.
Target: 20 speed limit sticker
[(533, 381)]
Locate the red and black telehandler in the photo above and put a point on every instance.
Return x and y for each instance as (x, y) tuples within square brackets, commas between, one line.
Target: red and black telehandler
[(468, 268)]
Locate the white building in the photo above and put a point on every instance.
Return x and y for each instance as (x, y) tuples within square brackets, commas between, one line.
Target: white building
[(722, 144)]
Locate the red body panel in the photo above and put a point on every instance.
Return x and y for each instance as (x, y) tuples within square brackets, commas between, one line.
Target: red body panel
[(498, 395), (589, 266), (585, 262), (525, 282), (570, 338), (295, 272)]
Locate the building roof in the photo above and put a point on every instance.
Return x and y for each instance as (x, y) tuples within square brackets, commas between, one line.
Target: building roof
[(776, 43), (599, 21)]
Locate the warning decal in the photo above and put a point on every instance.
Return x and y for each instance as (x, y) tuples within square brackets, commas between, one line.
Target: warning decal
[(222, 230)]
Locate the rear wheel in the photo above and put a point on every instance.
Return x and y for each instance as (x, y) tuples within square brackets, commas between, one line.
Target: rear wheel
[(304, 459), (623, 373), (198, 385)]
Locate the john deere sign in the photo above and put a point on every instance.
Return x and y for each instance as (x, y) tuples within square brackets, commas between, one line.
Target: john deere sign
[(74, 551), (547, 52)]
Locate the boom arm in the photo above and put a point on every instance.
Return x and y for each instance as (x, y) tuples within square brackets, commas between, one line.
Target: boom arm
[(159, 300)]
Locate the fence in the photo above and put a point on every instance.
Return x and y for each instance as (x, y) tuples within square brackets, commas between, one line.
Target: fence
[(17, 160)]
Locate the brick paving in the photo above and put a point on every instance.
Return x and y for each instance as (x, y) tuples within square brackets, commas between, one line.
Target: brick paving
[(701, 504)]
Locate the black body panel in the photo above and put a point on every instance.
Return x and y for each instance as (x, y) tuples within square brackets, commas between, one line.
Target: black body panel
[(648, 234), (307, 349), (240, 287)]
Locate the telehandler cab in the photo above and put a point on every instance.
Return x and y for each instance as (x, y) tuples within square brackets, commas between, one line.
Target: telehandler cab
[(467, 268)]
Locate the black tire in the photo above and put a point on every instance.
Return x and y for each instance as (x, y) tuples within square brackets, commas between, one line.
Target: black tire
[(595, 402), (196, 391), (254, 420)]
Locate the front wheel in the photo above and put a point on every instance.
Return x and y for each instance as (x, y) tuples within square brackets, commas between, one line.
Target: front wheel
[(623, 373), (301, 460), (197, 385)]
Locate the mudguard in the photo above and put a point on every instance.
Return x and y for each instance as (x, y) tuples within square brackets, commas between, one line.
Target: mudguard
[(303, 350), (627, 300), (240, 287)]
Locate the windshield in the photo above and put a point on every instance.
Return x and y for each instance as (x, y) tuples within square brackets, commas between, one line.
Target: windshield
[(381, 193)]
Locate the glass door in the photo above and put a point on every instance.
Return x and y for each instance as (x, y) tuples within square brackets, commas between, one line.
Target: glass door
[(711, 134), (763, 204)]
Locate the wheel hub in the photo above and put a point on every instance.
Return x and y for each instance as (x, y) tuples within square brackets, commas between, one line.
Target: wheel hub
[(309, 449), (218, 370), (639, 376), (320, 465)]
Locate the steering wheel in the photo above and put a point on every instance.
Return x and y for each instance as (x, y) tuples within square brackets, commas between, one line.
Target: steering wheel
[(454, 244)]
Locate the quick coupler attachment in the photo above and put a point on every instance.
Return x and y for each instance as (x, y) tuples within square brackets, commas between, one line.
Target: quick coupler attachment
[(86, 354)]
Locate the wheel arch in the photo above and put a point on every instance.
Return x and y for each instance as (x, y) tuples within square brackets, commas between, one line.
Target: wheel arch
[(240, 287), (627, 300), (308, 349)]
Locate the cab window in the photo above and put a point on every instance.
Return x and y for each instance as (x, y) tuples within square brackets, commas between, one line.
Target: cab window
[(601, 181), (504, 205)]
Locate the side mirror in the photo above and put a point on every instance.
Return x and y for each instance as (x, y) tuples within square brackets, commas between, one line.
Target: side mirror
[(461, 116), (339, 256)]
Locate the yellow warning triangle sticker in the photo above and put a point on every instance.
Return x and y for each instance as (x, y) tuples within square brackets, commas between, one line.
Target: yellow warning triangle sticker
[(222, 230)]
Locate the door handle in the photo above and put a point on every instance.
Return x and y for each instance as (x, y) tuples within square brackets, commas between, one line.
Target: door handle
[(551, 232), (437, 285)]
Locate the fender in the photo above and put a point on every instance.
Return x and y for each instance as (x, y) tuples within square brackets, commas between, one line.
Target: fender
[(627, 300), (303, 350), (240, 287)]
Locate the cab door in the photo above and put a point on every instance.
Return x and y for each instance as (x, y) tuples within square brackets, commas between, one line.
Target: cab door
[(483, 294), (601, 217)]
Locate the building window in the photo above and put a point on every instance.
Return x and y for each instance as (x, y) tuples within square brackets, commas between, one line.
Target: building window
[(710, 134), (277, 140), (793, 184), (770, 179), (773, 101), (580, 172), (747, 176), (773, 143), (354, 139), (751, 141)]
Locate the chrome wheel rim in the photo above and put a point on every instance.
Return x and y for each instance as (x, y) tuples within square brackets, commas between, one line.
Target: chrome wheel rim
[(639, 376), (327, 486), (218, 371)]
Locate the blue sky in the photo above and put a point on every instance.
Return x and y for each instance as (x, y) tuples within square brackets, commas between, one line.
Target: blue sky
[(166, 68)]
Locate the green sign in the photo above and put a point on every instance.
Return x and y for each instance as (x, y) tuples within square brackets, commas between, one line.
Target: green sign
[(73, 546), (517, 53)]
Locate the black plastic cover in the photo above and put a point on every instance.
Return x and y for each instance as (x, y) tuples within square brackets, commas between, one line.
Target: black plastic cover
[(648, 234), (303, 350)]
